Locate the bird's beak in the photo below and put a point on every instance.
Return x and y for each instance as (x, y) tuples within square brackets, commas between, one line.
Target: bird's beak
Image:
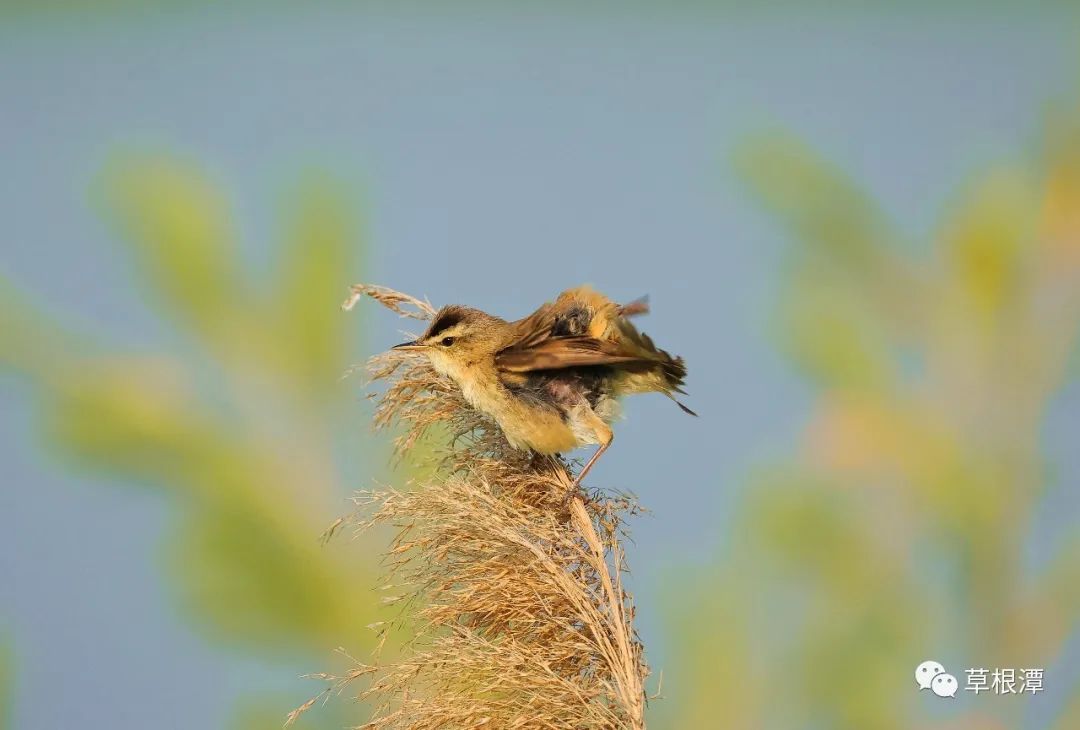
[(414, 345)]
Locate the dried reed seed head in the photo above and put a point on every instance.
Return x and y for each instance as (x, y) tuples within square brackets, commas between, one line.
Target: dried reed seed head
[(392, 300)]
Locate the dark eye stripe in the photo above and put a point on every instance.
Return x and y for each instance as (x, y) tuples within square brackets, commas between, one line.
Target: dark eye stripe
[(445, 321)]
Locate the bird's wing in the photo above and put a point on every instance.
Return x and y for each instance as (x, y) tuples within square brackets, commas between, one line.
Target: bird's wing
[(567, 334), (534, 329), (567, 352), (556, 335), (637, 307)]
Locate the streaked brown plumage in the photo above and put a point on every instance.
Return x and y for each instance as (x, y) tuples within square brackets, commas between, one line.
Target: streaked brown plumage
[(553, 379)]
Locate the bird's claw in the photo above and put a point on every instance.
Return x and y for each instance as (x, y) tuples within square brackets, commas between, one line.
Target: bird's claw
[(575, 490)]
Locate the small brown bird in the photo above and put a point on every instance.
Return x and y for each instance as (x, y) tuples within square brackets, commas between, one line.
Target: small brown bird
[(553, 379)]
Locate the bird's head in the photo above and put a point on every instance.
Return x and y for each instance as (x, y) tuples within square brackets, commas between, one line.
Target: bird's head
[(458, 339)]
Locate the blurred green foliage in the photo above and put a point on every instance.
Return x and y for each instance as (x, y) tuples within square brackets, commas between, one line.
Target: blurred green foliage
[(898, 532), (242, 426)]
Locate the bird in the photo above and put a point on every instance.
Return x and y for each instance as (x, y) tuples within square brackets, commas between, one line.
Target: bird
[(552, 381)]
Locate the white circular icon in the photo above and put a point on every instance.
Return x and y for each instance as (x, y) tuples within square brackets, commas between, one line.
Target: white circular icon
[(944, 685), (925, 673)]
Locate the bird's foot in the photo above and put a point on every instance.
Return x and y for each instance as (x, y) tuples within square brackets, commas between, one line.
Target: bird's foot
[(571, 492), (575, 490)]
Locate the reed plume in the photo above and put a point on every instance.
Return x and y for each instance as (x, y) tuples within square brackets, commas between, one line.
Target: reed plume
[(512, 592)]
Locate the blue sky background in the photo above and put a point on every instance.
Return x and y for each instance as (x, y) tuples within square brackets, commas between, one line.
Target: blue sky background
[(500, 157)]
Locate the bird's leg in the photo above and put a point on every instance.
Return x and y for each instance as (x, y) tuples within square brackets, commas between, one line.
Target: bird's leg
[(592, 460), (604, 436), (576, 485)]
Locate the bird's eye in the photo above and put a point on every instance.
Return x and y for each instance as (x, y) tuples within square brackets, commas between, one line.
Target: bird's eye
[(446, 341)]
